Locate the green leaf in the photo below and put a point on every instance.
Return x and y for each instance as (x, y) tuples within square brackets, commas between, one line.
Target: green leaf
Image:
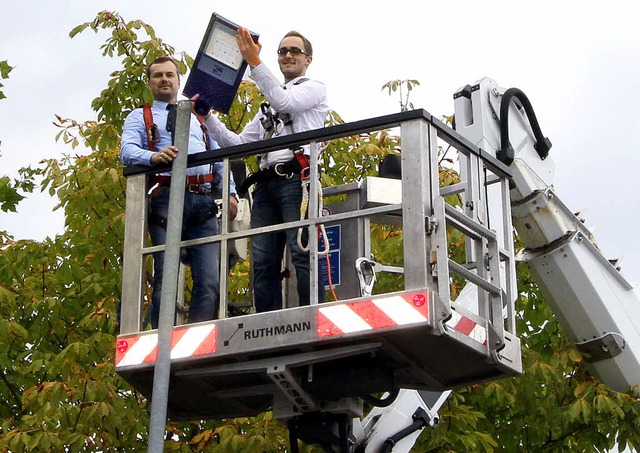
[(78, 29), (9, 196), (5, 69)]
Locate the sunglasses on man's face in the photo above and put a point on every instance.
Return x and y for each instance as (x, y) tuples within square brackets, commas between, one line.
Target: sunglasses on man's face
[(294, 51)]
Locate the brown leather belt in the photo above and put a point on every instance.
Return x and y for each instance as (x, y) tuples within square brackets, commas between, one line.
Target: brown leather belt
[(193, 183)]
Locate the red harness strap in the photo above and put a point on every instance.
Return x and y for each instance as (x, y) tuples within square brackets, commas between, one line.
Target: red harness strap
[(303, 161), (150, 127)]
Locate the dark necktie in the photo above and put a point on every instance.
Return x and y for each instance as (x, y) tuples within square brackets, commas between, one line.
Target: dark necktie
[(171, 121)]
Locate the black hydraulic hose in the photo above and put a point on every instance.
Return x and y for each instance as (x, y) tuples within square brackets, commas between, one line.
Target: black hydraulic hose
[(379, 402), (420, 420), (506, 154)]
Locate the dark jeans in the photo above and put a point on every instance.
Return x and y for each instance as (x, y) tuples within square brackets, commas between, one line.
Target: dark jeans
[(277, 200), (198, 221)]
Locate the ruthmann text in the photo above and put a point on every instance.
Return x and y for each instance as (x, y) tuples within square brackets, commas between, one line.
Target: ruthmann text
[(277, 330)]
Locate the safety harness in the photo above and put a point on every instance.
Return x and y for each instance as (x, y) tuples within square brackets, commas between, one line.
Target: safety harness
[(299, 165), (152, 129), (193, 183), (271, 122)]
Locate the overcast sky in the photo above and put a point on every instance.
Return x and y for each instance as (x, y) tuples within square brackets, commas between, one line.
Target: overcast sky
[(578, 63)]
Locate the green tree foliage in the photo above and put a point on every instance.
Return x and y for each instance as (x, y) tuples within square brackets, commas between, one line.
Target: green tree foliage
[(58, 299), (5, 69), (9, 196), (396, 86)]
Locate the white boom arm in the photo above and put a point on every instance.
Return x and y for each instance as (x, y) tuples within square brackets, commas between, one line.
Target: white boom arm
[(592, 300)]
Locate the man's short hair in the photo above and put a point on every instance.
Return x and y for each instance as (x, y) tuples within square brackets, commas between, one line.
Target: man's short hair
[(162, 60), (308, 48)]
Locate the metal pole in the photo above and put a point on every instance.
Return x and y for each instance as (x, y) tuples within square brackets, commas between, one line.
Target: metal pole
[(162, 371)]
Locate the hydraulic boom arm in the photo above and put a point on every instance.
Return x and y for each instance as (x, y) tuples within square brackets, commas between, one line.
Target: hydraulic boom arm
[(592, 300)]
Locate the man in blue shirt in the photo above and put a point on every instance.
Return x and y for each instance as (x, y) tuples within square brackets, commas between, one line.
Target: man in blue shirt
[(202, 183)]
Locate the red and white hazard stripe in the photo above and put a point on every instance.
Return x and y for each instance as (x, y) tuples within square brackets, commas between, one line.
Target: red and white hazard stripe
[(380, 313), (189, 341), (468, 327)]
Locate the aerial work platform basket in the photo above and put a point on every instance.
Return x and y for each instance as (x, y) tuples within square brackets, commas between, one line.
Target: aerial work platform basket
[(326, 356)]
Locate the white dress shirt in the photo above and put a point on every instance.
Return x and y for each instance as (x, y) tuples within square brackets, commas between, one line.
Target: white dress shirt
[(305, 100)]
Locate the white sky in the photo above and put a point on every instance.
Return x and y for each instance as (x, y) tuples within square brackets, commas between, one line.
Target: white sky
[(578, 63)]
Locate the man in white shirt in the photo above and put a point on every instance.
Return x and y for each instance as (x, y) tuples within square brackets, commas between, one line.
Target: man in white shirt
[(298, 105)]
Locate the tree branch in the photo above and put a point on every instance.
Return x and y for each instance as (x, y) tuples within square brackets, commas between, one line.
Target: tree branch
[(13, 392)]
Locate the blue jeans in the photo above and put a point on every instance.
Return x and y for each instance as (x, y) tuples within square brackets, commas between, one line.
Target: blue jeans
[(199, 220), (277, 200)]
